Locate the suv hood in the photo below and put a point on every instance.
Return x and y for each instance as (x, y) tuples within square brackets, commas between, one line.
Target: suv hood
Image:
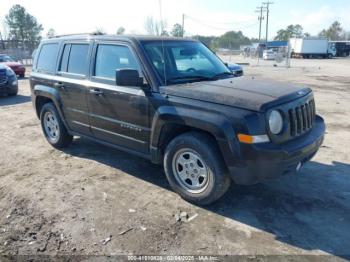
[(255, 94)]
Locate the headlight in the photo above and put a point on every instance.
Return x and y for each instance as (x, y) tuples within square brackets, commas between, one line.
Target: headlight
[(275, 122), (9, 72)]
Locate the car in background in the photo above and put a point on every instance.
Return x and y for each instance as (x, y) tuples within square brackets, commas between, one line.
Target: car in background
[(237, 70), (8, 81), (17, 67), (269, 54)]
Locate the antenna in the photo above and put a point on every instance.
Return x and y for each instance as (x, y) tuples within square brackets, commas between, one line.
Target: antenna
[(161, 17), (163, 49), (183, 25)]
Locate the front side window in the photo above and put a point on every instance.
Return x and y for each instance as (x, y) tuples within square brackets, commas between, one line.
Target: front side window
[(47, 58), (110, 58), (184, 61)]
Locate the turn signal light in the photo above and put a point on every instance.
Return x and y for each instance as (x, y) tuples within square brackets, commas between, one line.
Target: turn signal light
[(247, 139)]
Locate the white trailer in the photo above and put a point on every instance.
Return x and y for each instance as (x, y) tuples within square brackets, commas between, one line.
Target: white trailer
[(311, 47)]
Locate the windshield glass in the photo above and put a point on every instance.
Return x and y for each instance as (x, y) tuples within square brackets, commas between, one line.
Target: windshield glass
[(183, 61), (6, 58)]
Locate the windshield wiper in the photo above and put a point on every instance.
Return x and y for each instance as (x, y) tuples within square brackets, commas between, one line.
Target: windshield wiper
[(194, 78)]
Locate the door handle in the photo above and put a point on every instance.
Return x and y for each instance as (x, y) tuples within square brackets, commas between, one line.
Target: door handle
[(59, 85), (96, 92)]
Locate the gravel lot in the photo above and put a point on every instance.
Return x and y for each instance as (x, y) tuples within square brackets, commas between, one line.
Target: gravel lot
[(66, 202)]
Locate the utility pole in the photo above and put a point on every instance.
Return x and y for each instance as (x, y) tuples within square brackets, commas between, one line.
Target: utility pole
[(259, 10), (267, 6), (183, 25)]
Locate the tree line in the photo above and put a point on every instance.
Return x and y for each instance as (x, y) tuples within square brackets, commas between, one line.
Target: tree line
[(22, 26), (334, 32)]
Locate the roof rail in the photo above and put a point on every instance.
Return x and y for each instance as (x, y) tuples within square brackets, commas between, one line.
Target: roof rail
[(80, 34)]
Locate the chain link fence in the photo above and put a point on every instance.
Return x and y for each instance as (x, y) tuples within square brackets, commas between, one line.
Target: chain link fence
[(276, 56)]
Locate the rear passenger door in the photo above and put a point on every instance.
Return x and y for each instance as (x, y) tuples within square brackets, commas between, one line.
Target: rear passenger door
[(71, 81), (118, 115)]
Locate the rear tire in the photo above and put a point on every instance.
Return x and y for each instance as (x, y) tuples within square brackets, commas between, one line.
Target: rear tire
[(195, 169), (54, 130)]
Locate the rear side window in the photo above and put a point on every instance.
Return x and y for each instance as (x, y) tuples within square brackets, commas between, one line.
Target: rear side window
[(47, 58), (109, 58), (74, 59)]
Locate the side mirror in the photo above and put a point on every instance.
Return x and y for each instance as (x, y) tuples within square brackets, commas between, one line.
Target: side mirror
[(128, 77), (226, 64)]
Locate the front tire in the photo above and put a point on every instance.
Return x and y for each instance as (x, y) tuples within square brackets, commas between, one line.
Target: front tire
[(54, 130), (195, 169)]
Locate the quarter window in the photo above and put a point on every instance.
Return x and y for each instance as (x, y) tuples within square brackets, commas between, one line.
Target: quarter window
[(110, 58), (47, 58), (65, 56)]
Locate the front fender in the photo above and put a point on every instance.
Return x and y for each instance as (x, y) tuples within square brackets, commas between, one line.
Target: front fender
[(215, 124)]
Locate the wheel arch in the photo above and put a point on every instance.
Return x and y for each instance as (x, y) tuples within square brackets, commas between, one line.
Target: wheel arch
[(45, 94), (170, 122)]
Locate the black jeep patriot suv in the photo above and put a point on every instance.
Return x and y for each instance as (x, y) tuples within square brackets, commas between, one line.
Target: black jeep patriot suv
[(174, 102)]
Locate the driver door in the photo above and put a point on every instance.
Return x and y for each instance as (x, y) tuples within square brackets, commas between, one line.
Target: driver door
[(118, 115)]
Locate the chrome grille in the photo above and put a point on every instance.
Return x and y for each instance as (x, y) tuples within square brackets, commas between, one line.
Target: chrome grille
[(302, 118), (3, 77)]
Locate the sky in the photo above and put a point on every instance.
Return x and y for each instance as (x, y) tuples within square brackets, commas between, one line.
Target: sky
[(204, 17)]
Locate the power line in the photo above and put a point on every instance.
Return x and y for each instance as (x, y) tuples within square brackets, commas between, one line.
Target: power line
[(208, 24)]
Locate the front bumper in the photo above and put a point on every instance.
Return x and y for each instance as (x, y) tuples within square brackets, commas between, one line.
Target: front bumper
[(259, 162), (10, 86)]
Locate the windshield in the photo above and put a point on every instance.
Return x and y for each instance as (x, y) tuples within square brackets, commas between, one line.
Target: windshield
[(6, 58), (184, 61)]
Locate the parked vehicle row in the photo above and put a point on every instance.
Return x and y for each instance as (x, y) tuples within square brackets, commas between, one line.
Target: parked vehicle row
[(300, 48), (8, 81), (17, 67)]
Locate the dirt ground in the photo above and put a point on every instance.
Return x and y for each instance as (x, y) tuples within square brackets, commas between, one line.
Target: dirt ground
[(67, 202)]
